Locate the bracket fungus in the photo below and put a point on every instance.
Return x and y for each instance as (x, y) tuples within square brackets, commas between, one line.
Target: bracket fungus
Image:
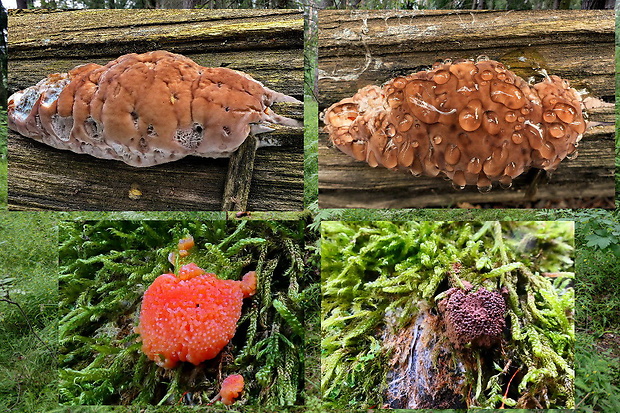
[(474, 317), (146, 109), (191, 317), (474, 122)]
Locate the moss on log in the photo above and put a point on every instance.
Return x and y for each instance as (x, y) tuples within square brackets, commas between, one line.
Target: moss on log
[(370, 47), (268, 45)]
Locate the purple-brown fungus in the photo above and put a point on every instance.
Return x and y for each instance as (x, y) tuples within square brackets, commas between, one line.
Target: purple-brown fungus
[(146, 109), (474, 122), (474, 317)]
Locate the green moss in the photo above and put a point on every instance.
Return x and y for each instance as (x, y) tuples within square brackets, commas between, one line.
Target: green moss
[(376, 276), (105, 266)]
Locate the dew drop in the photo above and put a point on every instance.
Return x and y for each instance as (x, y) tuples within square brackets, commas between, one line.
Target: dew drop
[(517, 138), (549, 116), (565, 112), (505, 182), (500, 68), (415, 144), (406, 123), (390, 130), (441, 77), (507, 94), (437, 140), (511, 170), (556, 130), (510, 116), (501, 76), (486, 75), (474, 166), (470, 118), (491, 123), (482, 58)]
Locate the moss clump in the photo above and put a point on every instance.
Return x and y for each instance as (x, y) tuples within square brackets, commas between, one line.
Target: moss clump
[(377, 276), (105, 266)]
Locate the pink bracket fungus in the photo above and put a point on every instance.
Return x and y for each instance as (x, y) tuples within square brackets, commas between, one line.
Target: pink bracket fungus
[(474, 122), (474, 317), (146, 109), (191, 317)]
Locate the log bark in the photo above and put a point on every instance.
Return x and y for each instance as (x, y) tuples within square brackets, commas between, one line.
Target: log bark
[(268, 45), (371, 47)]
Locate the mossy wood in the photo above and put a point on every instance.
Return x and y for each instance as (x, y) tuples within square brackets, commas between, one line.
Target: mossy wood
[(370, 47), (267, 45)]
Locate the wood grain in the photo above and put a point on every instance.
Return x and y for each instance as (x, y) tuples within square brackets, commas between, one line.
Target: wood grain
[(357, 48), (268, 45)]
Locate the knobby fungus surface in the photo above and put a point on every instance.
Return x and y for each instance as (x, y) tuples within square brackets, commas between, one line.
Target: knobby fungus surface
[(474, 317), (474, 122), (146, 109), (191, 317)]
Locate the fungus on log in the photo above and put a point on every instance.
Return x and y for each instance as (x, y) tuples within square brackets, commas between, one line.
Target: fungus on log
[(191, 317), (474, 122), (146, 109)]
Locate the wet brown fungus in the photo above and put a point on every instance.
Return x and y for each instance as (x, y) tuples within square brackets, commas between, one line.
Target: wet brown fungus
[(146, 109), (474, 122)]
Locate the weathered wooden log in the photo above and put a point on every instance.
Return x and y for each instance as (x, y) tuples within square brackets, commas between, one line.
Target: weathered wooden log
[(267, 45), (358, 48)]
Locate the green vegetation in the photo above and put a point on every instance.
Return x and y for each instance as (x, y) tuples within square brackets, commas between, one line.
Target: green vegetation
[(377, 275), (440, 214), (3, 160), (105, 266), (598, 311), (28, 313)]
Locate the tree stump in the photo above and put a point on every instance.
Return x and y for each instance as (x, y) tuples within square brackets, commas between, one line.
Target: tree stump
[(358, 48), (267, 45)]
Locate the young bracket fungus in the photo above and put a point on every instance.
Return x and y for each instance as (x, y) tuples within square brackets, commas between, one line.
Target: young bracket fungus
[(474, 317), (191, 317), (474, 122), (146, 109)]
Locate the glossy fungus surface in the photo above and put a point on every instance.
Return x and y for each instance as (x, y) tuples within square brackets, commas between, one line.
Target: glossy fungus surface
[(146, 109), (474, 122), (191, 317), (232, 386), (474, 317)]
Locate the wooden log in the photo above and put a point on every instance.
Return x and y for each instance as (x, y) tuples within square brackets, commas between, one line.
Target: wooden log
[(371, 47), (266, 44)]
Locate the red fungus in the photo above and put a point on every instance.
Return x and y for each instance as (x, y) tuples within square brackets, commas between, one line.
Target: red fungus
[(474, 122), (191, 317), (185, 245), (232, 386), (146, 109)]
